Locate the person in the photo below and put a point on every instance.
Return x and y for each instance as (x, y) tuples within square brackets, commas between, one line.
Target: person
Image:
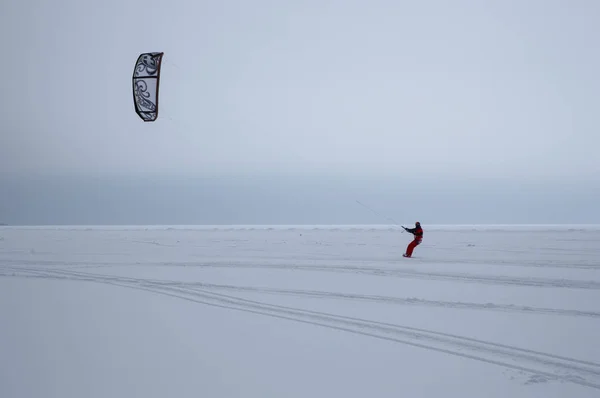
[(417, 231)]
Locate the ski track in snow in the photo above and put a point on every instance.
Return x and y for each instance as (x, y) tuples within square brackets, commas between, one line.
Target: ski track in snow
[(84, 276), (543, 367), (379, 271), (552, 367)]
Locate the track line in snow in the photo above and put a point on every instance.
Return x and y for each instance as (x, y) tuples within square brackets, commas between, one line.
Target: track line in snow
[(549, 366), (403, 273), (412, 301), (305, 260)]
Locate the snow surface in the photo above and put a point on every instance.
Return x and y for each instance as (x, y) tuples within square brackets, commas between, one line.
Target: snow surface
[(299, 311)]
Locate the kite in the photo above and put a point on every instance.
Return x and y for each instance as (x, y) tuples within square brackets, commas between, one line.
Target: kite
[(146, 80)]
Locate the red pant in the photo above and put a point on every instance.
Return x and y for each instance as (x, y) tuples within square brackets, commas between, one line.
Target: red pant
[(411, 246)]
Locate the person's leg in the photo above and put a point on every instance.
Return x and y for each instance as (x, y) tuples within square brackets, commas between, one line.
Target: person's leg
[(411, 246)]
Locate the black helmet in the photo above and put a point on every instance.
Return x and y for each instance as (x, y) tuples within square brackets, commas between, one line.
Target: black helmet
[(417, 224)]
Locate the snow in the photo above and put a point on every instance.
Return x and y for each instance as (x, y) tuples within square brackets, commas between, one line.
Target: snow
[(297, 311)]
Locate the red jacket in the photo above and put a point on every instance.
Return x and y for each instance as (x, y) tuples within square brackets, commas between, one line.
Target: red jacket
[(417, 232)]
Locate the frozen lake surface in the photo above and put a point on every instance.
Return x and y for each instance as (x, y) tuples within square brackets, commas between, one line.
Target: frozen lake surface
[(299, 311)]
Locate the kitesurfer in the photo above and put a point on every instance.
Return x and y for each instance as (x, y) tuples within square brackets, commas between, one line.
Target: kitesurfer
[(417, 231)]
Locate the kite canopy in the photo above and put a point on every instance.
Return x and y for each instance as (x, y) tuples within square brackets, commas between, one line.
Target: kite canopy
[(146, 79)]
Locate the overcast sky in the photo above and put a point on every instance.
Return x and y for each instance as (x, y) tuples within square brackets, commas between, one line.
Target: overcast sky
[(439, 90)]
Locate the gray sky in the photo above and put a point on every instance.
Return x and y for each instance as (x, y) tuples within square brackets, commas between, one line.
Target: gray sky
[(445, 91)]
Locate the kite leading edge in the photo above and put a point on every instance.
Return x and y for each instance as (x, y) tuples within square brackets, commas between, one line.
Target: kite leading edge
[(146, 80)]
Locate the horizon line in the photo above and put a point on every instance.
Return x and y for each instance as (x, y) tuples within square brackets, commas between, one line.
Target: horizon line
[(299, 225)]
